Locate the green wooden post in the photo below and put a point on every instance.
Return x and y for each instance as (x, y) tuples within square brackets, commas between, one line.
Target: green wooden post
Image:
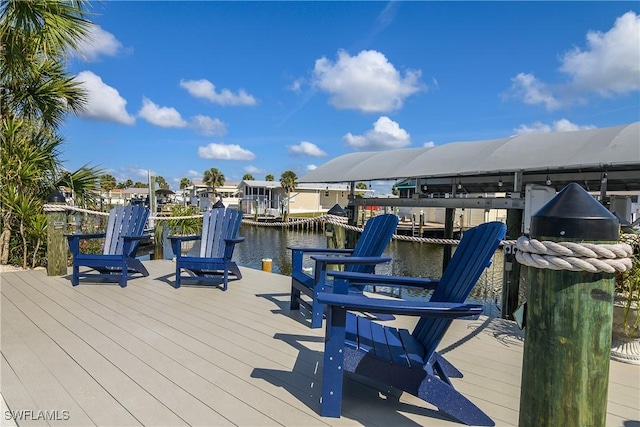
[(511, 278), (336, 236), (448, 234), (565, 372), (56, 242)]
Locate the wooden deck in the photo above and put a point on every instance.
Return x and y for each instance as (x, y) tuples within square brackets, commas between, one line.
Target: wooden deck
[(149, 354)]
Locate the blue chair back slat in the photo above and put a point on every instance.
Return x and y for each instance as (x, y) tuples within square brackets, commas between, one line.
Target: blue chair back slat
[(130, 221), (138, 221), (210, 229), (111, 238), (218, 225), (470, 259), (374, 239)]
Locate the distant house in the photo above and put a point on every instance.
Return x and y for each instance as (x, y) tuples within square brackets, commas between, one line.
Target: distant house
[(123, 196), (268, 198), (199, 194)]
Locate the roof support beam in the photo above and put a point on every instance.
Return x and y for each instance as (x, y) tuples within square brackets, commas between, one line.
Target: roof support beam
[(467, 203)]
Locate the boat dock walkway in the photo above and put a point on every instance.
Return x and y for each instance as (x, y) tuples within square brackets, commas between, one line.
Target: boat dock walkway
[(149, 354)]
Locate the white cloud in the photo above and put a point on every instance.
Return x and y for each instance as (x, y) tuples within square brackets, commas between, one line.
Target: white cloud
[(306, 148), (386, 134), (252, 169), (205, 89), (194, 174), (97, 43), (166, 117), (429, 144), (367, 82), (532, 91), (225, 152), (562, 125), (208, 126), (611, 64), (296, 86), (103, 101), (311, 167)]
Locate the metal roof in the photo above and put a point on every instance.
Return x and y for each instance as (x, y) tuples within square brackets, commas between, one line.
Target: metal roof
[(582, 156)]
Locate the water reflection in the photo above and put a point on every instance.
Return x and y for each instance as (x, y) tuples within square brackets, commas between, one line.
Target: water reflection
[(409, 259)]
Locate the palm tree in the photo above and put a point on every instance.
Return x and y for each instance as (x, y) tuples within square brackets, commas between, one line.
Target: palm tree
[(248, 177), (162, 183), (361, 186), (108, 183), (269, 177), (288, 182), (184, 183), (213, 178), (36, 95)]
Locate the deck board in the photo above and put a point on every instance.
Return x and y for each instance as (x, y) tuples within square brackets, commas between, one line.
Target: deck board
[(149, 354)]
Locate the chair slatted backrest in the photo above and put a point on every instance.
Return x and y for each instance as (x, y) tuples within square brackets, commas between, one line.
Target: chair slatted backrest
[(471, 257), (124, 221), (218, 225), (374, 239)]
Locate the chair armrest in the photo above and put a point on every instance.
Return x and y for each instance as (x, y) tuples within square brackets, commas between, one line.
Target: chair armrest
[(351, 259), (85, 236), (137, 237), (321, 250), (184, 238), (234, 241), (400, 307), (377, 279)]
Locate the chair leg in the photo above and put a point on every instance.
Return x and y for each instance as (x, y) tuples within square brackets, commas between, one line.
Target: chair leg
[(75, 280), (136, 264), (332, 371), (176, 284), (233, 269), (125, 274), (225, 279), (295, 296), (317, 315), (451, 402)]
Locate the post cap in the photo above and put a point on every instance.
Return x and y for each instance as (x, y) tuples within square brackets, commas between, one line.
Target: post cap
[(337, 210), (574, 214), (56, 197)]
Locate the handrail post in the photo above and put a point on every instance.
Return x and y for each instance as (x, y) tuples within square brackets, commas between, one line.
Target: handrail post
[(565, 372), (56, 243)]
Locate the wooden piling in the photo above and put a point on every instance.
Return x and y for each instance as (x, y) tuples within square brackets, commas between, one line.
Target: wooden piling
[(511, 278), (565, 372), (56, 242)]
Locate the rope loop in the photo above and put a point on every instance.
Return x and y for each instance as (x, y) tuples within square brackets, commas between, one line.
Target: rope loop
[(572, 256)]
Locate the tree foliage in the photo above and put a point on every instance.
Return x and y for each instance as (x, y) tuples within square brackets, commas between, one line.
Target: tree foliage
[(162, 183), (248, 177), (213, 178), (36, 95), (288, 182), (269, 177), (184, 183)]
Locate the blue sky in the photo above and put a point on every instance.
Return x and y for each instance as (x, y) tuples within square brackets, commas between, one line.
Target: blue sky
[(264, 87)]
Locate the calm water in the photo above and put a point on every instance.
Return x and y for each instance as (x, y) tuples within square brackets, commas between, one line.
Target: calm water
[(409, 259)]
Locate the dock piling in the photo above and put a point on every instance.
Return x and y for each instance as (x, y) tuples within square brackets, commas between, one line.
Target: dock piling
[(56, 242), (565, 373)]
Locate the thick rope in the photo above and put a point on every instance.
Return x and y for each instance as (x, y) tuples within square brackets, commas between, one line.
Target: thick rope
[(329, 219), (589, 257)]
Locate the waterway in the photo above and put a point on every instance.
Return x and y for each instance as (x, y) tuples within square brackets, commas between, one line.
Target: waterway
[(409, 259)]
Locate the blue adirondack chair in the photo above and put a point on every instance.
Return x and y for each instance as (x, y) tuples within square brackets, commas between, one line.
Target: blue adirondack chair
[(395, 357), (123, 234), (363, 258), (219, 236)]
